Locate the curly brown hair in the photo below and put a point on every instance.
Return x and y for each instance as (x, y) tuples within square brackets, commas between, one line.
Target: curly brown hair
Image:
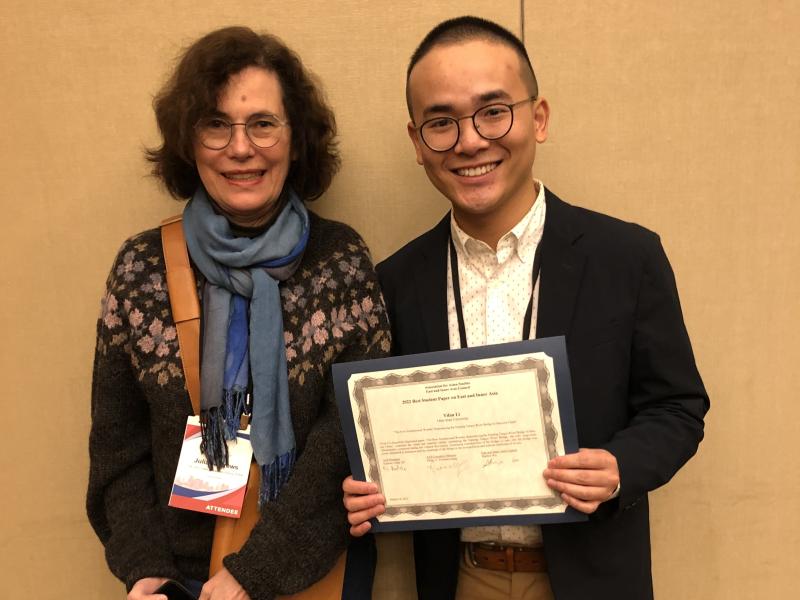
[(193, 90)]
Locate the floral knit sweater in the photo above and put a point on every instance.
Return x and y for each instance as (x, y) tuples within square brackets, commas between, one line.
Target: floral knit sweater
[(332, 312)]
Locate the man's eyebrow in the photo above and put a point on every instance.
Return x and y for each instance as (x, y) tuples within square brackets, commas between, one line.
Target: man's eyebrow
[(493, 95), (479, 101), (437, 109)]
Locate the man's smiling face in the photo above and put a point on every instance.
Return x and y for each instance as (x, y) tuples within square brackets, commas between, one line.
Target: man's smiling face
[(485, 180)]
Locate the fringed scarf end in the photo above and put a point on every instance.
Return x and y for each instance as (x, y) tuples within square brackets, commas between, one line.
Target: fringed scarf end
[(212, 440), (233, 405), (274, 476)]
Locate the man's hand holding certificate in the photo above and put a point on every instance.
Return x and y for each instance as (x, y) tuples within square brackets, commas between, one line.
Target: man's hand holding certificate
[(459, 437)]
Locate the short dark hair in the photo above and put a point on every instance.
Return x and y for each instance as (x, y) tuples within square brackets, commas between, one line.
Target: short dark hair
[(466, 29), (193, 90)]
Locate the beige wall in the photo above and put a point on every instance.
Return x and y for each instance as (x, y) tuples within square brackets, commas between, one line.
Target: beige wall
[(683, 116), (680, 116)]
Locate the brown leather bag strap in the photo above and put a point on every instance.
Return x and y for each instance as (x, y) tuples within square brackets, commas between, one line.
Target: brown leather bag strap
[(185, 305)]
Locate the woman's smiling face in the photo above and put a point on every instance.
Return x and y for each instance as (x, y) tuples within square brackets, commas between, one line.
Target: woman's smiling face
[(243, 180)]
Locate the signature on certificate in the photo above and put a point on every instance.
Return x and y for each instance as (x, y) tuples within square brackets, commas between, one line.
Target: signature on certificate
[(491, 461), (459, 466)]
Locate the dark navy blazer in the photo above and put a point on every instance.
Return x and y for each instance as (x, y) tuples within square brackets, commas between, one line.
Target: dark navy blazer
[(608, 287)]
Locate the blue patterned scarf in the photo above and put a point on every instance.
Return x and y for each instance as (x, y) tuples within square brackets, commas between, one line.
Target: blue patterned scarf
[(243, 333)]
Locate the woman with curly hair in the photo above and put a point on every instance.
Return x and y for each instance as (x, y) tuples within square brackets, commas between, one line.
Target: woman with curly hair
[(248, 139)]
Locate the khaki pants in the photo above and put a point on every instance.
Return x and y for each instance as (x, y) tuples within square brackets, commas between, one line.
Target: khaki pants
[(475, 583)]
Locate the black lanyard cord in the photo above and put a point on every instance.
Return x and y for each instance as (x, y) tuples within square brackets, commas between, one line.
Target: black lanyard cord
[(462, 330)]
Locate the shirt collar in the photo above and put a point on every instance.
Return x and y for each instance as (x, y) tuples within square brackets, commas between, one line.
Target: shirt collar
[(523, 237)]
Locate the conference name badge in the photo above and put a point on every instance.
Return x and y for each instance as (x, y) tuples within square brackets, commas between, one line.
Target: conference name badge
[(211, 491)]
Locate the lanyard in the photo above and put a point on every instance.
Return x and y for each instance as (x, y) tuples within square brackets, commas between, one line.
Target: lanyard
[(462, 330)]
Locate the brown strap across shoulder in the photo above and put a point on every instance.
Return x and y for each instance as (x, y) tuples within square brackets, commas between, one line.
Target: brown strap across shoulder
[(182, 288), (229, 534)]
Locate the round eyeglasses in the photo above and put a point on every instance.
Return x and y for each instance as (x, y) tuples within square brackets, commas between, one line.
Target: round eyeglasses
[(492, 122), (264, 131)]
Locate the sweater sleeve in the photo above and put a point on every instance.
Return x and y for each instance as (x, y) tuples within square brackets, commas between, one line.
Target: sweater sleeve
[(121, 500), (300, 536)]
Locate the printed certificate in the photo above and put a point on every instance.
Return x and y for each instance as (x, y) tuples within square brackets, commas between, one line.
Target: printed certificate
[(461, 438)]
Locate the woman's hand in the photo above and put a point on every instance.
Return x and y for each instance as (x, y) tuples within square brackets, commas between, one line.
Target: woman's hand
[(144, 588), (223, 586)]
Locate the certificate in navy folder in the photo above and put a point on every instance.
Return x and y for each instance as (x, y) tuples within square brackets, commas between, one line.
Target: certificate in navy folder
[(460, 438)]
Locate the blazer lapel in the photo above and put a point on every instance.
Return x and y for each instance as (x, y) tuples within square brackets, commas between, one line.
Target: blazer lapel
[(562, 268), (431, 286)]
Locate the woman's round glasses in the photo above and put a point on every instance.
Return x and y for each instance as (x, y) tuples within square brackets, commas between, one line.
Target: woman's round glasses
[(215, 133), (492, 122)]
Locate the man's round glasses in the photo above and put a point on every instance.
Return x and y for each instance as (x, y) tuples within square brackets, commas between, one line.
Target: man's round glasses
[(492, 122), (264, 131)]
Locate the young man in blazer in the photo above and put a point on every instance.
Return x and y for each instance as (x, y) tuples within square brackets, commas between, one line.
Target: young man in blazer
[(476, 119)]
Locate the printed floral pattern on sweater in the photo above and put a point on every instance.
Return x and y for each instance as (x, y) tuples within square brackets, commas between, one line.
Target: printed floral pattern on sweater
[(126, 324), (334, 291)]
